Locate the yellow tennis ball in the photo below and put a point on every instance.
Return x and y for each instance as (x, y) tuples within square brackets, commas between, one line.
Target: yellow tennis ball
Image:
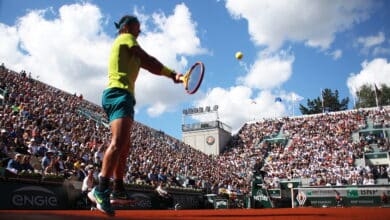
[(239, 55)]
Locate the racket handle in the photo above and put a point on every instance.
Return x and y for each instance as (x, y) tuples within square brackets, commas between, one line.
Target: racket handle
[(176, 77)]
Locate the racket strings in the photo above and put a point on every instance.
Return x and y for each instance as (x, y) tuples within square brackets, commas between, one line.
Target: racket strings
[(195, 78)]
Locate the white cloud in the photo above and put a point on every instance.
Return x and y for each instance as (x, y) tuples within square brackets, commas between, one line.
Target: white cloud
[(371, 41), (373, 44), (178, 28), (236, 105), (170, 39), (269, 71), (375, 72), (315, 23), (337, 54), (9, 42), (71, 51), (380, 50), (253, 99)]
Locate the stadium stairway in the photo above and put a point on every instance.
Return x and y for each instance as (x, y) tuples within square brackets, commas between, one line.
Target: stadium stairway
[(91, 115)]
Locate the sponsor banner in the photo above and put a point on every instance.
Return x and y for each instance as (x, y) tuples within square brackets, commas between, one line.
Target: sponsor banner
[(350, 192), (19, 195), (29, 196), (348, 196)]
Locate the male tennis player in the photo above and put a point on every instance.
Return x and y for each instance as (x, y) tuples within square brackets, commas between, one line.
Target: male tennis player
[(126, 59)]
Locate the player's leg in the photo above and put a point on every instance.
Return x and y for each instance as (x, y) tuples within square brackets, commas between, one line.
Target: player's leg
[(119, 106), (120, 142), (120, 138), (119, 194)]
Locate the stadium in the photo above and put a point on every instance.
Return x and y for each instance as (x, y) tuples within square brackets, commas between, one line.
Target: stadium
[(326, 165), (91, 95)]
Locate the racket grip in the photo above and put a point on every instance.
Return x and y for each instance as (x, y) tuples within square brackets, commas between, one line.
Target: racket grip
[(177, 77)]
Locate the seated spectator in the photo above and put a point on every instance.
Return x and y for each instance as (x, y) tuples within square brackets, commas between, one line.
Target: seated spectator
[(162, 176), (41, 151), (14, 165), (60, 164), (46, 160), (68, 167), (5, 143), (33, 147), (80, 172), (26, 165), (50, 169)]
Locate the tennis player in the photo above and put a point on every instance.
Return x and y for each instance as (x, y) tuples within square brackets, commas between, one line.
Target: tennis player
[(126, 59)]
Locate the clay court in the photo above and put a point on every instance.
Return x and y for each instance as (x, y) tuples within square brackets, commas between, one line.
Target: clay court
[(239, 214)]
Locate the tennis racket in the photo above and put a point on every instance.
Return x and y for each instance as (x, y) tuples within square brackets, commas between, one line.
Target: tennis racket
[(193, 78)]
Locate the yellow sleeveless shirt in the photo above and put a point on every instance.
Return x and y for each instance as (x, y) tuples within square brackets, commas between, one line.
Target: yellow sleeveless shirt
[(123, 68)]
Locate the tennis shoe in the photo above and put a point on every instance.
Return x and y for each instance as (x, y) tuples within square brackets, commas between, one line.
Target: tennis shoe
[(102, 200)]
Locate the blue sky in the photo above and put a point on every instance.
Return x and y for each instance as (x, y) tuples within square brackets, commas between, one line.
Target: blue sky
[(292, 49)]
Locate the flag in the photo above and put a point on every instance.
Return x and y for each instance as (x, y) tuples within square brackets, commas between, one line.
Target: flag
[(278, 99)]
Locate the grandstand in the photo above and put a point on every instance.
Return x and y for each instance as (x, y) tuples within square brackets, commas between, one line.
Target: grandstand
[(348, 148)]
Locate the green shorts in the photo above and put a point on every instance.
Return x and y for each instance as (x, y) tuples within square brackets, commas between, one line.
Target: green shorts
[(118, 103)]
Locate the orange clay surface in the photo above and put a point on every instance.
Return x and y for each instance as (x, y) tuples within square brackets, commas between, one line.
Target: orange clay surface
[(226, 214)]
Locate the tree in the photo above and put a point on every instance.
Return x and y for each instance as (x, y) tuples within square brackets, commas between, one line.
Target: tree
[(366, 96), (329, 102)]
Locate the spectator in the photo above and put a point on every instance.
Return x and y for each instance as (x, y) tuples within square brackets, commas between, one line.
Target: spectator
[(384, 199), (33, 147), (46, 161), (26, 165), (339, 200), (14, 165), (318, 145), (162, 176), (81, 173), (88, 184)]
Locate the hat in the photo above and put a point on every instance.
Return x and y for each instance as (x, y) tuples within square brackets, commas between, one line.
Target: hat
[(3, 131), (127, 19)]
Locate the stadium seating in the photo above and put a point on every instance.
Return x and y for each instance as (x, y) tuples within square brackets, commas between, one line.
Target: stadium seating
[(323, 149)]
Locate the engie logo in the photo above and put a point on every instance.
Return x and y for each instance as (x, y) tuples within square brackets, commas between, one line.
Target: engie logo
[(34, 196)]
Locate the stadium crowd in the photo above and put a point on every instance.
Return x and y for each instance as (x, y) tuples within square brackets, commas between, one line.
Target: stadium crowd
[(322, 150), (44, 125)]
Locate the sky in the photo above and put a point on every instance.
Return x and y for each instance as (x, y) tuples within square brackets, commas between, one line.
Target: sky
[(292, 50)]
